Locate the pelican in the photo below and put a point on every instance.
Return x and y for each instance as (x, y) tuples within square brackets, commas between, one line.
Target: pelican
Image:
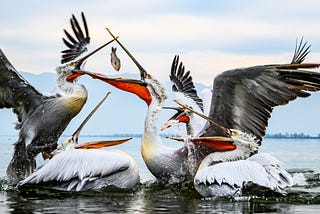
[(86, 166), (230, 173), (167, 164), (185, 92), (239, 168), (242, 100), (43, 118)]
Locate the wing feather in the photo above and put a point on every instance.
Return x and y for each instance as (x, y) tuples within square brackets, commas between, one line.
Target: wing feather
[(15, 91), (75, 169), (244, 98), (229, 178), (77, 44), (182, 82)]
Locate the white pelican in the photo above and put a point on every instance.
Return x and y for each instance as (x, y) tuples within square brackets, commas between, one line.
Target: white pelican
[(261, 87), (242, 99), (86, 166), (167, 164), (43, 118), (231, 172)]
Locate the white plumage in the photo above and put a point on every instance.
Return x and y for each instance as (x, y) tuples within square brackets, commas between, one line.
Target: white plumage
[(230, 178), (84, 169)]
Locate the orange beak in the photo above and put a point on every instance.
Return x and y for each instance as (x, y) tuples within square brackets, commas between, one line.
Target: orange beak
[(217, 142), (134, 86), (74, 76), (100, 144), (179, 117)]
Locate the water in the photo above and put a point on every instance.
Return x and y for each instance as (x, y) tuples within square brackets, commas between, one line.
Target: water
[(300, 157)]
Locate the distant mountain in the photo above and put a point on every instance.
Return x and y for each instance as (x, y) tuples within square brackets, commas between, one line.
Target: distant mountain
[(124, 113)]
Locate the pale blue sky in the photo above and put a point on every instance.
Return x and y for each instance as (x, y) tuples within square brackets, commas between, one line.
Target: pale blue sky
[(210, 36)]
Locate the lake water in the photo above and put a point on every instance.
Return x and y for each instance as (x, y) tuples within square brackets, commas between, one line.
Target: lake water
[(300, 157)]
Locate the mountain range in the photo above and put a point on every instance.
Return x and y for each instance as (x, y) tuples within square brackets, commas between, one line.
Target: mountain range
[(124, 113)]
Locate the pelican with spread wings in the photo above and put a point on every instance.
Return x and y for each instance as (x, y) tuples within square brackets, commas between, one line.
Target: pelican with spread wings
[(42, 118)]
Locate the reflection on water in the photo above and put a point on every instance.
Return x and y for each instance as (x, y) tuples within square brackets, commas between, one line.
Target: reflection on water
[(300, 157)]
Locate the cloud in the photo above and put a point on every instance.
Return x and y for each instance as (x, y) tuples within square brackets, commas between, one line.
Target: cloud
[(211, 36)]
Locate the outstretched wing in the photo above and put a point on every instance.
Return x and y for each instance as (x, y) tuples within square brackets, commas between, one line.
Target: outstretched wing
[(229, 178), (76, 44), (244, 98), (15, 91), (182, 83)]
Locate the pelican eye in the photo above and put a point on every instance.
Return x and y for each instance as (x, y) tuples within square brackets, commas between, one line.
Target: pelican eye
[(234, 132)]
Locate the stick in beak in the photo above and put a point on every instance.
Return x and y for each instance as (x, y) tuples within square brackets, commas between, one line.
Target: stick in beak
[(143, 72), (179, 117), (79, 62), (224, 130)]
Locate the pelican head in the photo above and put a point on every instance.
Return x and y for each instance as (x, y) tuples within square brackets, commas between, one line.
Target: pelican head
[(180, 117)]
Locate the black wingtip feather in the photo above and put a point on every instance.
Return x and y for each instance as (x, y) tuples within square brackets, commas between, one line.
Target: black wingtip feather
[(182, 81), (76, 44), (301, 51)]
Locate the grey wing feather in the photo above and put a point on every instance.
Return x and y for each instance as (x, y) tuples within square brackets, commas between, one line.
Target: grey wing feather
[(301, 51), (15, 91), (182, 81), (76, 44), (244, 98)]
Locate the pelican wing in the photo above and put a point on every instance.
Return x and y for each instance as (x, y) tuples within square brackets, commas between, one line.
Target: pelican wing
[(15, 91), (76, 44), (182, 84), (274, 169), (82, 169), (228, 178), (243, 99)]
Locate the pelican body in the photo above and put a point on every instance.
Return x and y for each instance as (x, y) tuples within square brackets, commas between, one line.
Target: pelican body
[(42, 119), (244, 99), (167, 164), (86, 166), (231, 173), (85, 169)]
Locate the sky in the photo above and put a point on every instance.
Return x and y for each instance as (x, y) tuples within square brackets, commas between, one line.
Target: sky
[(210, 36)]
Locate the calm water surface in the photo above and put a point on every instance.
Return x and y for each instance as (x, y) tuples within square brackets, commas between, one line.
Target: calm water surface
[(300, 157)]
